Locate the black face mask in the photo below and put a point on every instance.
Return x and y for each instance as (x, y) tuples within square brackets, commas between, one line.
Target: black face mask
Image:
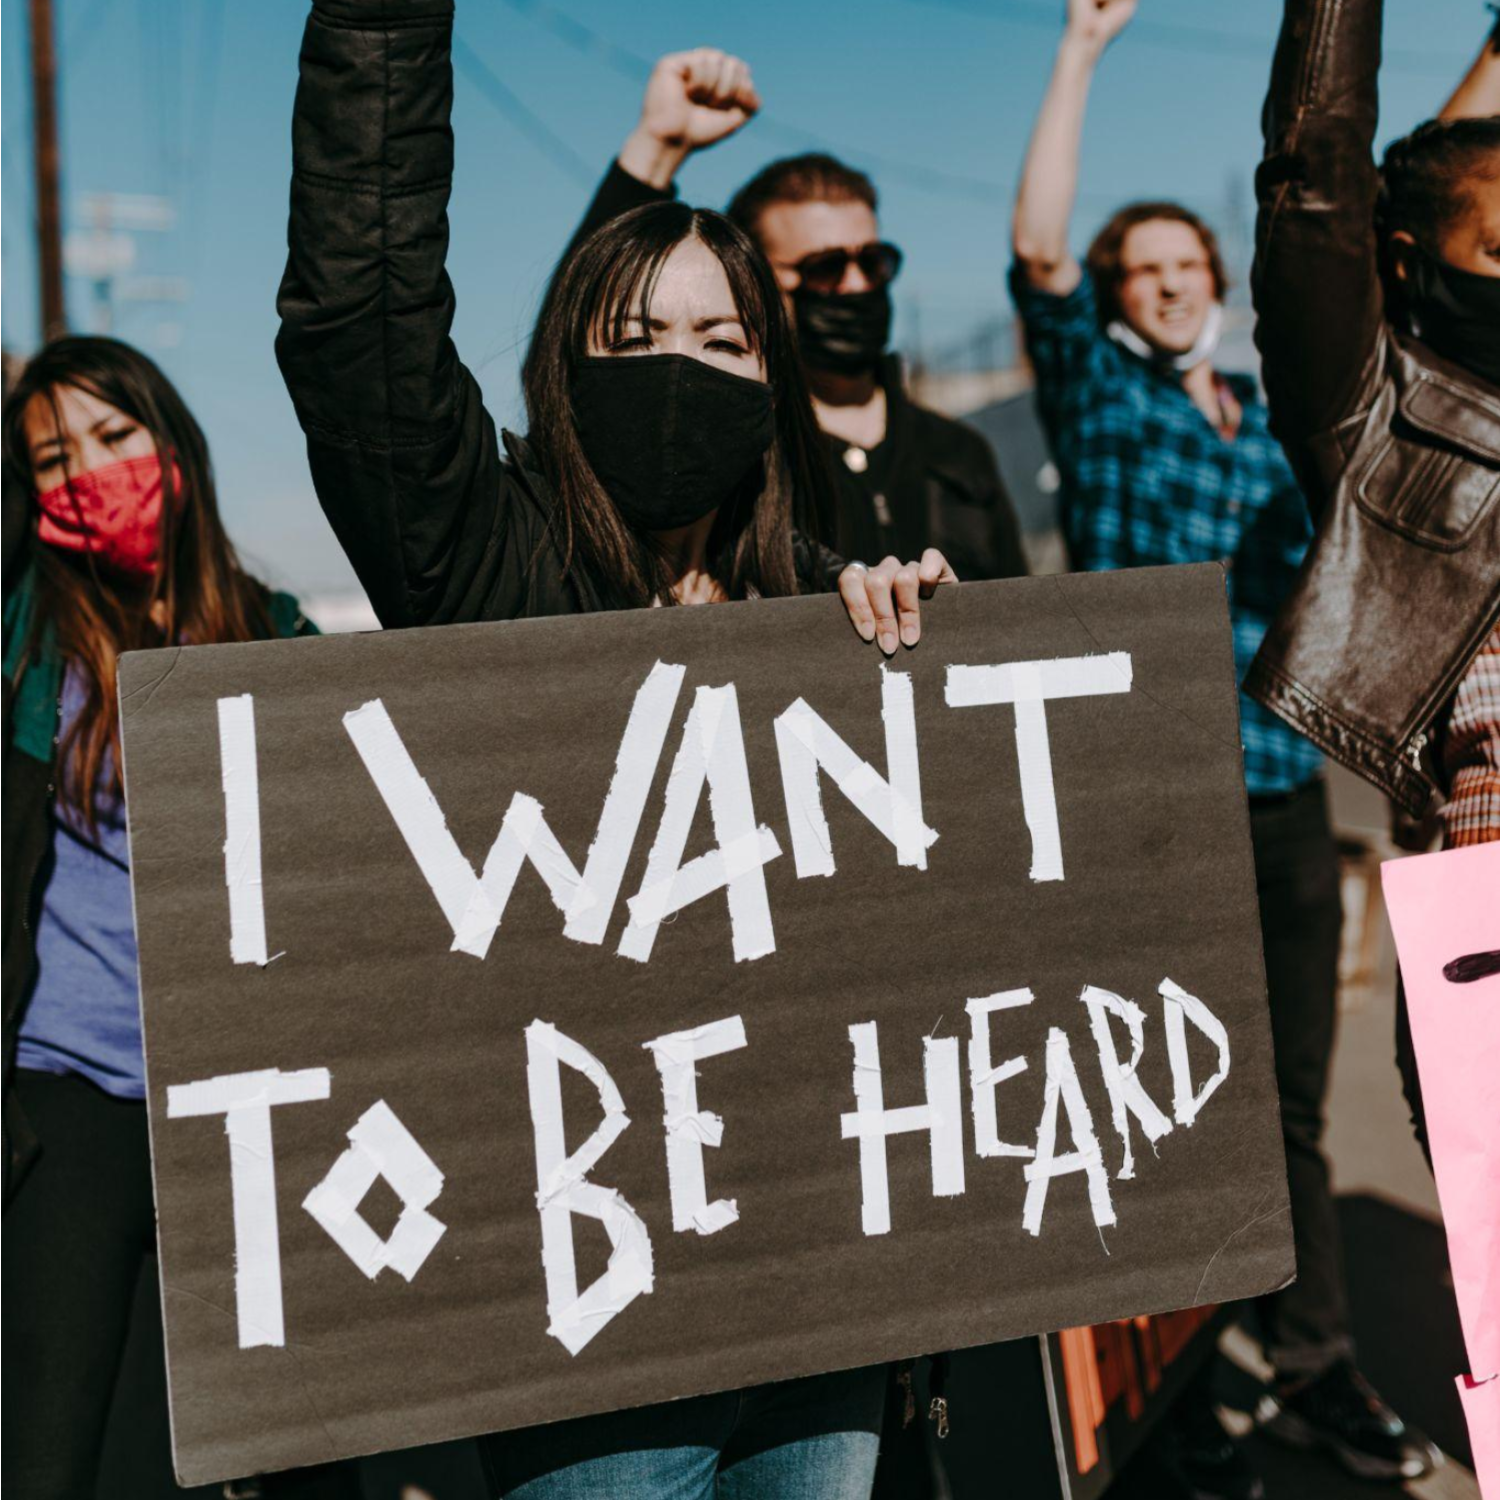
[(669, 437), (1456, 314), (843, 332)]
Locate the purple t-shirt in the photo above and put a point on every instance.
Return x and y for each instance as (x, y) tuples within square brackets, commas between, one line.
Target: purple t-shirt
[(84, 1016)]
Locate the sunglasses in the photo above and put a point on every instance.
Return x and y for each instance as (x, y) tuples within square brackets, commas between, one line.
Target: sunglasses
[(824, 270)]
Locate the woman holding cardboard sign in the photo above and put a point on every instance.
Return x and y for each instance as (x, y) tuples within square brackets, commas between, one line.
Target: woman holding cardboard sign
[(672, 450), (672, 457)]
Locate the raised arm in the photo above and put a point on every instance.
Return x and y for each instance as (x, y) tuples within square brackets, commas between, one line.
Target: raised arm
[(1479, 92), (403, 455), (693, 100), (1049, 177), (1321, 318)]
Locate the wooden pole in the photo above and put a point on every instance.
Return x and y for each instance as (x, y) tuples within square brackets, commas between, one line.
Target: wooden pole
[(48, 193)]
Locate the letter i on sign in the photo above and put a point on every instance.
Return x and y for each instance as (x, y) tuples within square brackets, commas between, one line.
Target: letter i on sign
[(242, 876)]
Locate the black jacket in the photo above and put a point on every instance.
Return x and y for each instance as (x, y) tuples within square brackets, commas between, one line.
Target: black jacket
[(1398, 450), (443, 519), (939, 486)]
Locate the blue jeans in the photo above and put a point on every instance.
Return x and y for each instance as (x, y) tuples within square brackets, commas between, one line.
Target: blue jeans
[(811, 1439)]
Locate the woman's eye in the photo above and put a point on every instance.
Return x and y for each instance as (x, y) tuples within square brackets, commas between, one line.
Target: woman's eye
[(46, 465), (727, 346), (630, 345), (118, 435)]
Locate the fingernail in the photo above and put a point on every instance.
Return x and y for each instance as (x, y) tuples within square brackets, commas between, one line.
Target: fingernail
[(909, 635), (888, 642), (866, 630)]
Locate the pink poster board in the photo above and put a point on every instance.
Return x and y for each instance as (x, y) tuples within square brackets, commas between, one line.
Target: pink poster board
[(1445, 912)]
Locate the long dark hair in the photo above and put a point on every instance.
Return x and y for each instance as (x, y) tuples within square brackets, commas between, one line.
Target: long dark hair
[(610, 278), (199, 594)]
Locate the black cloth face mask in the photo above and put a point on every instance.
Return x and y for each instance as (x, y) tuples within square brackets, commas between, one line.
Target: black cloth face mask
[(669, 437), (1456, 314), (843, 332)]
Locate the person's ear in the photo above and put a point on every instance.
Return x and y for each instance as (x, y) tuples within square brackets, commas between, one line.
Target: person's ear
[(1404, 247)]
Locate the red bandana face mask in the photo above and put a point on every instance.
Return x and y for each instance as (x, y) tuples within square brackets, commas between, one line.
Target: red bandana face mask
[(113, 512)]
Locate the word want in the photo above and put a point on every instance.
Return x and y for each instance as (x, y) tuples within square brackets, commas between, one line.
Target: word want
[(381, 1146), (711, 759)]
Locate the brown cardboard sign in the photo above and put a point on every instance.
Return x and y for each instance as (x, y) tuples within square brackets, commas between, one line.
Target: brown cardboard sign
[(559, 1016)]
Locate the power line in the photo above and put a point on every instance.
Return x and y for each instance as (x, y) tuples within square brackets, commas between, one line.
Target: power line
[(610, 54), (535, 129), (1177, 35), (590, 43)]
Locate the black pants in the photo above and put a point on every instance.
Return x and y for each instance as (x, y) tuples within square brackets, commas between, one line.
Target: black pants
[(80, 1289), (1306, 1326), (1406, 1065)]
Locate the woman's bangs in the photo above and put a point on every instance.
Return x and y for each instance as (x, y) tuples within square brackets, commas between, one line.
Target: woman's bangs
[(749, 289), (621, 290)]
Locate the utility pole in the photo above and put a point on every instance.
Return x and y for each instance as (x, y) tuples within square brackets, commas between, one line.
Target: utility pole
[(44, 142)]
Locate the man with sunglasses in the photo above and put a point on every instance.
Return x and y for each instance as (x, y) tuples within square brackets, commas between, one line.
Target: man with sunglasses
[(909, 477)]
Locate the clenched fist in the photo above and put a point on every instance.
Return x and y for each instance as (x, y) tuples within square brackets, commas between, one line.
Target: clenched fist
[(1098, 22), (693, 99)]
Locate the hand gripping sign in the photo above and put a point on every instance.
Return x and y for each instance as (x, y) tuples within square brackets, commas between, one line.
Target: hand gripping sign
[(551, 1017)]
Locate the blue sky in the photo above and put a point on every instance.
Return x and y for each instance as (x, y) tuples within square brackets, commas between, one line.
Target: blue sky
[(192, 99)]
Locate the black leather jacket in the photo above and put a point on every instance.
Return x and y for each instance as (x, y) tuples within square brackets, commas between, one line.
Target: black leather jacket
[(443, 518), (1397, 449)]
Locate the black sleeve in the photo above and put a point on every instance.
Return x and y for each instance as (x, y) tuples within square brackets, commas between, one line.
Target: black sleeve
[(981, 534), (616, 195), (404, 456), (1007, 556), (1318, 299)]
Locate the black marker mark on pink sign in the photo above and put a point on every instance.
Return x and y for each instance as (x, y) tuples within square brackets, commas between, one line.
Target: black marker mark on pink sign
[(1472, 966)]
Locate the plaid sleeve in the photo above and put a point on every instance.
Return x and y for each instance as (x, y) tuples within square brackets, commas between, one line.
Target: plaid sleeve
[(1072, 358), (1471, 752), (1067, 348)]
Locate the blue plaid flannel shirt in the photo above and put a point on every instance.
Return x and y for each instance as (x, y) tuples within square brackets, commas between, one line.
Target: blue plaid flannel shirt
[(1146, 480)]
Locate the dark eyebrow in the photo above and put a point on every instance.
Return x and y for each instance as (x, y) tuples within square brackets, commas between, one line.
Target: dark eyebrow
[(709, 322), (50, 442)]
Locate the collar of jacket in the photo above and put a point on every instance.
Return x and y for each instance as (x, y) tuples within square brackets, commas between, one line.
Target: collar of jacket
[(1444, 399), (921, 439), (898, 404)]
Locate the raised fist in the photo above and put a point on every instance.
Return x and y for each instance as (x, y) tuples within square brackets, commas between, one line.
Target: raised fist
[(697, 98), (1099, 21)]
